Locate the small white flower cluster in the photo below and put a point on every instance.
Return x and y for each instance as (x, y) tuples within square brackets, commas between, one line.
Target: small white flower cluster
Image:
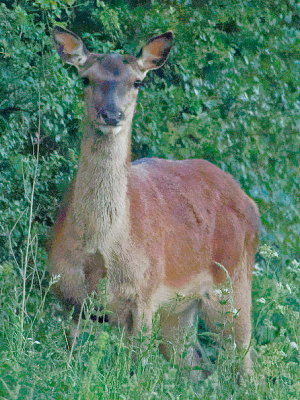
[(268, 252), (294, 266), (33, 341), (257, 270), (261, 300)]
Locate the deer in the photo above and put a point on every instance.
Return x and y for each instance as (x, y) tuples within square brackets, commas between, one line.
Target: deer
[(153, 228)]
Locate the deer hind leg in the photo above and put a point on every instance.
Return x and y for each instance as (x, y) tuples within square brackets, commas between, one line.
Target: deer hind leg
[(242, 324), (222, 318), (178, 331)]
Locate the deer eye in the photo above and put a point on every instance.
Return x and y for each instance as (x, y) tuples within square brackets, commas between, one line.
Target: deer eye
[(85, 81), (137, 84)]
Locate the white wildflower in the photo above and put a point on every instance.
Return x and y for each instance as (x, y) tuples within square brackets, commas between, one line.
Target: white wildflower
[(261, 300)]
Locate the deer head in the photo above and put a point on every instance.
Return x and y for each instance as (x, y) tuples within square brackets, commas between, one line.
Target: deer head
[(112, 80)]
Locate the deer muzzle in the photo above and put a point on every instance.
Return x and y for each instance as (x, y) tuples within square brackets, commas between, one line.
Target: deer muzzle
[(110, 117)]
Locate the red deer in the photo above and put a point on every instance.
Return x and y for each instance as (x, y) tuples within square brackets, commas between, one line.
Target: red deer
[(154, 228)]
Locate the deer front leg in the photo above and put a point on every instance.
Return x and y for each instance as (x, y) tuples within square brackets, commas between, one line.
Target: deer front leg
[(67, 261), (128, 292), (71, 284), (130, 313)]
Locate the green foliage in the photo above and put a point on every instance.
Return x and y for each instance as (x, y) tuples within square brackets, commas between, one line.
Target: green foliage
[(228, 93)]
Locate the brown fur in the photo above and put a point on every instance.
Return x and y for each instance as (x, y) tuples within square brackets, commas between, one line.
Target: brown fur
[(156, 228)]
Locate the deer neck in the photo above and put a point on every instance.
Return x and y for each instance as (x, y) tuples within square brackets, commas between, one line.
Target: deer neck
[(100, 195)]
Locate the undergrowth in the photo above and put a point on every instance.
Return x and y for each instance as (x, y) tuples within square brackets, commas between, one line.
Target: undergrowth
[(37, 363)]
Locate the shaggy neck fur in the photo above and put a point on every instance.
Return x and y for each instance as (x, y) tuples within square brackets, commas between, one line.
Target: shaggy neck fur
[(100, 197)]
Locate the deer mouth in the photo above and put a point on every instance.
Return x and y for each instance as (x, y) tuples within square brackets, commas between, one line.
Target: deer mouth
[(106, 129), (111, 125)]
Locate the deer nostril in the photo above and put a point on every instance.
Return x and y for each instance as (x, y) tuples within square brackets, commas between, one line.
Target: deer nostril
[(101, 113), (110, 117)]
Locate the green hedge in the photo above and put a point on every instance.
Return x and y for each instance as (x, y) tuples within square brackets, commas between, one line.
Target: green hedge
[(227, 94)]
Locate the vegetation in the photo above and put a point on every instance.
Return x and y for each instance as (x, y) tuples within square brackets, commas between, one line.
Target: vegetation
[(227, 94)]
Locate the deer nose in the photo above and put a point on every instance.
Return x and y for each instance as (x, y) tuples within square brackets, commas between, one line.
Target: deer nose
[(110, 117)]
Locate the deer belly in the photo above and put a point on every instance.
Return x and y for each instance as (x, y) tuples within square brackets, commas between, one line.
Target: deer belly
[(179, 297)]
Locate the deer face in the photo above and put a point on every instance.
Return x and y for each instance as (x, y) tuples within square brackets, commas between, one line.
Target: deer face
[(112, 83), (112, 80)]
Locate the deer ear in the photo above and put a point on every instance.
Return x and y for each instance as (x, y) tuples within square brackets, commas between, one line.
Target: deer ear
[(154, 54), (70, 47)]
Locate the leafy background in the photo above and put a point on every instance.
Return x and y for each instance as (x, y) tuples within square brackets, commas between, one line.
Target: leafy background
[(228, 93)]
